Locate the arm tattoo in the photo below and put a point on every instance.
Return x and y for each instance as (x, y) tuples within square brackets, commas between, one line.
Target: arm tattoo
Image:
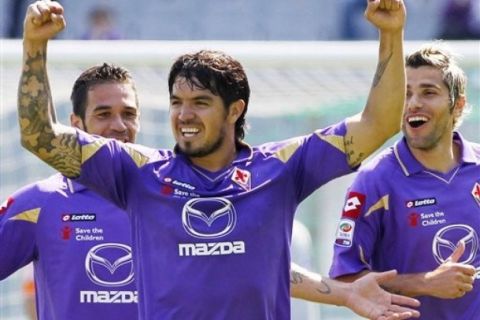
[(296, 278), (36, 118), (325, 288), (382, 65), (353, 158)]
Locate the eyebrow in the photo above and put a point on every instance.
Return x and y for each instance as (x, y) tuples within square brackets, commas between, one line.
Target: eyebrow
[(426, 85), (200, 97), (107, 107)]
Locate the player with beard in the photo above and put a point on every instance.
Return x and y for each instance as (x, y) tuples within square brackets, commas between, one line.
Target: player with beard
[(212, 219)]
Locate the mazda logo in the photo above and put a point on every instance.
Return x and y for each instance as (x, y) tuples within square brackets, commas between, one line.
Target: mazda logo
[(208, 218), (110, 264), (446, 239)]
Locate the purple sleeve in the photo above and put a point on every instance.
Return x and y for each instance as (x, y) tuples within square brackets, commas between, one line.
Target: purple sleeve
[(359, 227), (108, 167), (321, 159), (18, 224)]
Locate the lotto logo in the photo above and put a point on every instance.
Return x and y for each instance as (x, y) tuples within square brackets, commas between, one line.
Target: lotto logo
[(79, 217), (353, 205)]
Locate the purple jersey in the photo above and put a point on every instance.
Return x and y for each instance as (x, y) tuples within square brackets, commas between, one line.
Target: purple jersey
[(398, 215), (80, 245), (213, 245)]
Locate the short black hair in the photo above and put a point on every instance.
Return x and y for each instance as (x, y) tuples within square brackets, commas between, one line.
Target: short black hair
[(100, 74)]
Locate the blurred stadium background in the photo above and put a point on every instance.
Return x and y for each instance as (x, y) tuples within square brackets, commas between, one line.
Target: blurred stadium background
[(310, 73)]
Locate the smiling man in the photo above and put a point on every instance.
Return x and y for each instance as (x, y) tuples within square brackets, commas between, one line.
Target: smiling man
[(212, 218), (416, 206), (79, 243)]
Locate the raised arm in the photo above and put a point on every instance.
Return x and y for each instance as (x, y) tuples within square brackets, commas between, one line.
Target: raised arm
[(452, 279), (52, 142), (364, 296), (380, 119)]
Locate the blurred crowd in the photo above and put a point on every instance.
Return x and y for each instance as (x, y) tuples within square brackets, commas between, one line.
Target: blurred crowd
[(249, 19)]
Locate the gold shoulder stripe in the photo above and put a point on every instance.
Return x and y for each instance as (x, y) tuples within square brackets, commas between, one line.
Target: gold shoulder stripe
[(139, 158), (382, 203), (90, 149), (287, 151), (29, 215), (336, 141)]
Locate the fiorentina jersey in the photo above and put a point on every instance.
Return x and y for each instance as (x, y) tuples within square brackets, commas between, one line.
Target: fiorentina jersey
[(213, 245), (80, 245), (399, 215)]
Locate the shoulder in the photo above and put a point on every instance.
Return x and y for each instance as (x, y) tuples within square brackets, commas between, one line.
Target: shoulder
[(475, 147), (34, 196), (42, 188), (381, 166), (143, 155)]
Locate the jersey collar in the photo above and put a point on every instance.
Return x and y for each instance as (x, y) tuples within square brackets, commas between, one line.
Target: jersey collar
[(74, 186), (410, 165)]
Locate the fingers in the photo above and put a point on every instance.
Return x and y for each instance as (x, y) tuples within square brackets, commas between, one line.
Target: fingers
[(389, 4), (405, 301), (457, 253), (372, 5), (402, 312), (42, 12)]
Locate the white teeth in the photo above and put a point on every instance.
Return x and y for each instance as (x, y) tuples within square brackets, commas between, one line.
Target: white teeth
[(417, 118), (189, 132)]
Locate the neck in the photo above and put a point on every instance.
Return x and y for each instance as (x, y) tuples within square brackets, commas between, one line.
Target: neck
[(441, 158), (217, 160)]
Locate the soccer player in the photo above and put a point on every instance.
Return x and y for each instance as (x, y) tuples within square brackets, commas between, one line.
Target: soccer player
[(212, 219), (416, 206), (80, 243)]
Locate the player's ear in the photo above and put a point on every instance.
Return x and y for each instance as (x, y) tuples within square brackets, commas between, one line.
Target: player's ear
[(459, 105), (235, 110), (76, 122)]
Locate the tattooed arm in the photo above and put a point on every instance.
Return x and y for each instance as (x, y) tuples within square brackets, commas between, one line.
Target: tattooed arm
[(363, 296), (381, 117), (52, 142)]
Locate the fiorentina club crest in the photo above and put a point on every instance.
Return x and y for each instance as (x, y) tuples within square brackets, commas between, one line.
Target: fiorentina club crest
[(476, 192), (242, 178)]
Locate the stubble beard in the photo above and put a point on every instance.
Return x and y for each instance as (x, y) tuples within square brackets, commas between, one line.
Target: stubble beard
[(204, 150)]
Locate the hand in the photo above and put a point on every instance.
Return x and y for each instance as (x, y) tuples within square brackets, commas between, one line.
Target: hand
[(44, 19), (368, 299), (386, 15), (451, 279)]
